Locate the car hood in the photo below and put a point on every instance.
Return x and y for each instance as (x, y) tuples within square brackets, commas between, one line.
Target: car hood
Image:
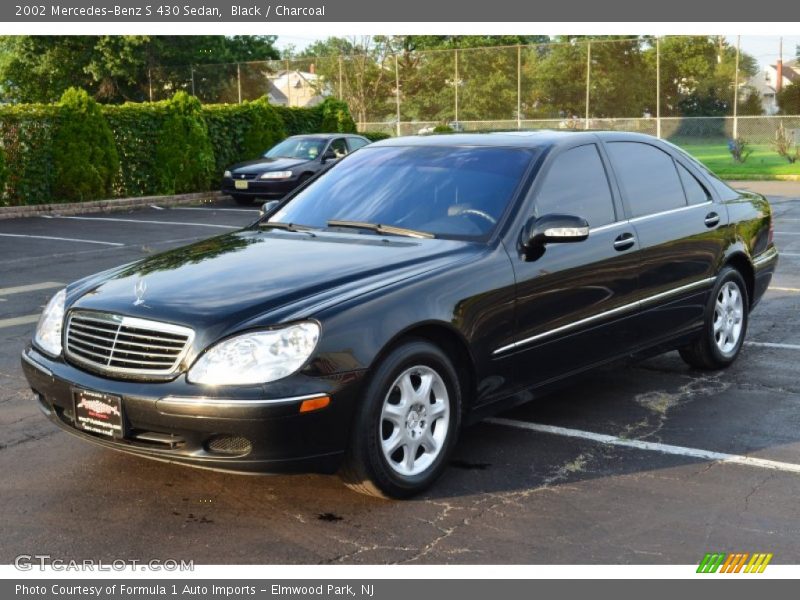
[(254, 278), (261, 165)]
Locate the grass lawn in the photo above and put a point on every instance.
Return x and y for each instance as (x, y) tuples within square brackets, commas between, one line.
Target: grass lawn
[(763, 163)]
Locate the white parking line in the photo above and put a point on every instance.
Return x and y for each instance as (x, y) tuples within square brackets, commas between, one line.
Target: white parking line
[(787, 233), (774, 345), (783, 289), (18, 321), (613, 440), (249, 210), (790, 254), (33, 287), (60, 239), (150, 222)]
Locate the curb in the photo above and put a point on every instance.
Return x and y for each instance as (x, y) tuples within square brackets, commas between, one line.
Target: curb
[(105, 206)]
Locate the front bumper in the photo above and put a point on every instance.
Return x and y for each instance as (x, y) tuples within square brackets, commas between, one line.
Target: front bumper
[(261, 188), (183, 423)]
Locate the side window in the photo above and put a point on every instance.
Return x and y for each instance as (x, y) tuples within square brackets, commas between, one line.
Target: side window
[(576, 184), (339, 146), (647, 176), (356, 143), (695, 192)]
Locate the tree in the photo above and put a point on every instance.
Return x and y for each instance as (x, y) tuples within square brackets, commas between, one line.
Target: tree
[(117, 68), (789, 100)]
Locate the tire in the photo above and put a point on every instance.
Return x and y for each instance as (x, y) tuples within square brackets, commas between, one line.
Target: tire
[(242, 200), (724, 324), (393, 414)]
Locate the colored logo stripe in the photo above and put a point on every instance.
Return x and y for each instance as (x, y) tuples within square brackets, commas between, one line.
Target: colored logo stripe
[(734, 563)]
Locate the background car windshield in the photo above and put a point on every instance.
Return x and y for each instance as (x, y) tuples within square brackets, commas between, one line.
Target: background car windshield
[(447, 191), (308, 149)]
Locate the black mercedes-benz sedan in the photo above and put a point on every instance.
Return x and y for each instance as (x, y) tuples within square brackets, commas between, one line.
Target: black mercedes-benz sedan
[(418, 285), (287, 165)]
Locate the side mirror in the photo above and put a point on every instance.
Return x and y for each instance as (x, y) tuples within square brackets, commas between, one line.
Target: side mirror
[(554, 229), (329, 155), (268, 207)]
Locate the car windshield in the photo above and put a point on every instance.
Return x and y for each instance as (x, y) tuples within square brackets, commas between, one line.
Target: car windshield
[(459, 192), (307, 148)]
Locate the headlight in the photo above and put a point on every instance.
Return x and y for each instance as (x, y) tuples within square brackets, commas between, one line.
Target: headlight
[(276, 175), (227, 175), (48, 330), (256, 357)]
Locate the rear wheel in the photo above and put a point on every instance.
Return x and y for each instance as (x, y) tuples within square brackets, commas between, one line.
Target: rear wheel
[(407, 424), (725, 324)]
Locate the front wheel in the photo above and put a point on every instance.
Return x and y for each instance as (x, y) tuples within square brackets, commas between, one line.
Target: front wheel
[(724, 325), (407, 424)]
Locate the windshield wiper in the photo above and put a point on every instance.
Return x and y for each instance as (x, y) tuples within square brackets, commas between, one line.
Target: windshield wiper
[(285, 226), (378, 228)]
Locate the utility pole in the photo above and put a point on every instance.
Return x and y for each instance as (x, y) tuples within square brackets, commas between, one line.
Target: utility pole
[(239, 81), (455, 85), (192, 72)]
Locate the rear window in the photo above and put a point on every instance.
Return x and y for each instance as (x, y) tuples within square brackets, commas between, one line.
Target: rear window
[(647, 176)]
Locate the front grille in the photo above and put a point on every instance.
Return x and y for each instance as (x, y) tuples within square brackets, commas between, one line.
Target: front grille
[(244, 176), (123, 345)]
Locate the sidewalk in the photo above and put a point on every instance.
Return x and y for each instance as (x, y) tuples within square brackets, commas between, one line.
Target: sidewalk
[(777, 191)]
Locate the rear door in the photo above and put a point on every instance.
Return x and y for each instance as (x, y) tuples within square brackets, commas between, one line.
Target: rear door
[(575, 301), (680, 231)]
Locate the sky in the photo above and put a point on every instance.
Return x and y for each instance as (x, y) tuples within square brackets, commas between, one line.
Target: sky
[(763, 48)]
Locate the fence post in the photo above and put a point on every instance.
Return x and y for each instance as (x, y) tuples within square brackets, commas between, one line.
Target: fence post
[(397, 92), (239, 81), (736, 92), (588, 80), (150, 83), (192, 73), (519, 87), (288, 85), (658, 87), (455, 85)]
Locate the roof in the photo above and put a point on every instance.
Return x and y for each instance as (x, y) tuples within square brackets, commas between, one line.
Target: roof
[(518, 139), (325, 136)]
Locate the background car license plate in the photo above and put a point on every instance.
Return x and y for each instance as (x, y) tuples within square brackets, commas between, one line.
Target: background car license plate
[(240, 184), (98, 412)]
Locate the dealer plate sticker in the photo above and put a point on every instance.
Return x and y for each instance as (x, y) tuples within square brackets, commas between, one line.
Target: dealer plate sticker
[(98, 412)]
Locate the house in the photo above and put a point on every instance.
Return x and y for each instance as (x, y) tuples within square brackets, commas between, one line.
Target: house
[(296, 88), (767, 84)]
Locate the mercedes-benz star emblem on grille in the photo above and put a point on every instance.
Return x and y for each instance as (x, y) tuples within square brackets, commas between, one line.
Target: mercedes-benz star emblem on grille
[(139, 289)]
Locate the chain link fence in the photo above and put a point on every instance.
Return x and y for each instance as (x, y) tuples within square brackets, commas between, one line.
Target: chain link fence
[(676, 87)]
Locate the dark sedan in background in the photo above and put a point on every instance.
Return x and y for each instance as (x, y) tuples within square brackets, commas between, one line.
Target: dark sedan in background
[(417, 285), (287, 166)]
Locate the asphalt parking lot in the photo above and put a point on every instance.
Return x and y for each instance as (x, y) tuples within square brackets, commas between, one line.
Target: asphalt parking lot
[(692, 462)]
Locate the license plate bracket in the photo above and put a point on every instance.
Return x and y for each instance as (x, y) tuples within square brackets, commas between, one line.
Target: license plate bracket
[(98, 412)]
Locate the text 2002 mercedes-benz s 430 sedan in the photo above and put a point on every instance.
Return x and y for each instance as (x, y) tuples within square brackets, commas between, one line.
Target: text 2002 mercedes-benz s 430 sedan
[(419, 284)]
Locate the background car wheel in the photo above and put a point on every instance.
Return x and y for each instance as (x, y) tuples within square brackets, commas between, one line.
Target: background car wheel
[(725, 324), (242, 200), (407, 424)]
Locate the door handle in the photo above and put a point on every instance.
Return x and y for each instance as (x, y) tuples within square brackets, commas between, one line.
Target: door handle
[(712, 219), (624, 241)]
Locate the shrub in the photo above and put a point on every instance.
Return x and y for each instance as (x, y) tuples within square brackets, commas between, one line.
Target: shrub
[(335, 117), (84, 154), (443, 129), (375, 136), (785, 146), (738, 147), (184, 156), (242, 131), (3, 173)]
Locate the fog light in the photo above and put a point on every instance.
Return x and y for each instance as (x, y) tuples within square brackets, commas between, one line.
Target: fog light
[(230, 445)]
